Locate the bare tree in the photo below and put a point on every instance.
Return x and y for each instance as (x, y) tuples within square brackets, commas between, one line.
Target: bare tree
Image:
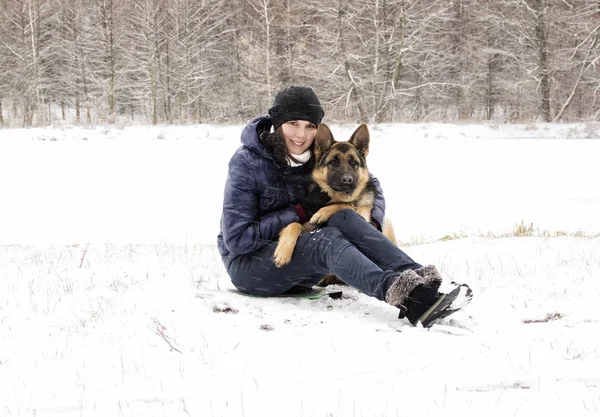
[(579, 55), (154, 61), (146, 22), (25, 44), (197, 50), (107, 57), (70, 46)]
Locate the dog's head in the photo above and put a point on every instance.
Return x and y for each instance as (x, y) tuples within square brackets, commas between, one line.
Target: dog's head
[(341, 167)]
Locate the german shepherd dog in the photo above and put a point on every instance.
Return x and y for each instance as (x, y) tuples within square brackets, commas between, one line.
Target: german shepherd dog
[(341, 172)]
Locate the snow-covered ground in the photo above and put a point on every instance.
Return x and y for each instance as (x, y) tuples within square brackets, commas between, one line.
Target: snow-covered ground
[(114, 302)]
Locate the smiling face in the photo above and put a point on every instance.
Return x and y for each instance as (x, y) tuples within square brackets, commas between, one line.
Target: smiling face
[(298, 135)]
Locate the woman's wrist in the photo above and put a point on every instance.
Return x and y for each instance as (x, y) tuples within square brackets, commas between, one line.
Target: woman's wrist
[(300, 212)]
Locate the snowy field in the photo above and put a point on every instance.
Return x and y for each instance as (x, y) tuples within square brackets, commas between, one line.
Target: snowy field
[(114, 301)]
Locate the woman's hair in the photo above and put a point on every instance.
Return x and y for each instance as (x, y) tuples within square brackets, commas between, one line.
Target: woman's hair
[(274, 143)]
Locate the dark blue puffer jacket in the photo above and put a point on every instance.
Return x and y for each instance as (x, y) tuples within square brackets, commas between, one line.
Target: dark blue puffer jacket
[(260, 195)]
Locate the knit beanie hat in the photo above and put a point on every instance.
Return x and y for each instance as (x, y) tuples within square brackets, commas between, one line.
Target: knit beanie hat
[(296, 103)]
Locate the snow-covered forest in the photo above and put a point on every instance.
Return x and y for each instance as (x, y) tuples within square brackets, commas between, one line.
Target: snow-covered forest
[(216, 61)]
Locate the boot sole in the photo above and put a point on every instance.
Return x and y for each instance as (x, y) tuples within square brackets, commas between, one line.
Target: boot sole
[(440, 308)]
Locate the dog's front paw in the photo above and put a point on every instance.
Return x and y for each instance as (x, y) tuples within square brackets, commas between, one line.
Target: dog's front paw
[(325, 213), (321, 216), (282, 255), (287, 242)]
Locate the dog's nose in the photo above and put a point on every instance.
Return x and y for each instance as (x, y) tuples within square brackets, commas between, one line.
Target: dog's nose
[(347, 179)]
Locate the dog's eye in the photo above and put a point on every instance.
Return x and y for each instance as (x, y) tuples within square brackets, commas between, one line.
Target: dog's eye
[(334, 162), (353, 162)]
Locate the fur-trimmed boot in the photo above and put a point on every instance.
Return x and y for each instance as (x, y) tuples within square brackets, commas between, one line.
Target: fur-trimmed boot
[(415, 293), (429, 273)]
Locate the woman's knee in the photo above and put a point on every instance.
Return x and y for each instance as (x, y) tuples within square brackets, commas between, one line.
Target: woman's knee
[(329, 233), (313, 245), (344, 217)]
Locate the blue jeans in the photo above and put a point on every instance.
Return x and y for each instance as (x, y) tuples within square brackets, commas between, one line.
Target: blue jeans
[(348, 247)]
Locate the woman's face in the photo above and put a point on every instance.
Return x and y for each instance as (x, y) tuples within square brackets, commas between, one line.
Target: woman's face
[(298, 135)]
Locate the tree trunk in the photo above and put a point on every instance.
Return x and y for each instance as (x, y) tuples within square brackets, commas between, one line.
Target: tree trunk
[(266, 16), (489, 102), (541, 34), (353, 86), (153, 82), (236, 74), (168, 82), (459, 38), (77, 110), (108, 26), (399, 45), (34, 28), (84, 82)]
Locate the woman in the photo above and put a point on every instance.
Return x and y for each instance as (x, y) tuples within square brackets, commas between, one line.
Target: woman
[(267, 189)]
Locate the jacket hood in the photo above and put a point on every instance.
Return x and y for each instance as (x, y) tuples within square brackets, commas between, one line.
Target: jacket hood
[(251, 135)]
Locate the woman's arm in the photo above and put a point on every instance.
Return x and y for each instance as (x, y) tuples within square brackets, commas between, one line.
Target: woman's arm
[(243, 230), (378, 212)]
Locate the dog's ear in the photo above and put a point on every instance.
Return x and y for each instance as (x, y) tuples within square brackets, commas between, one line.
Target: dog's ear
[(360, 139), (323, 141)]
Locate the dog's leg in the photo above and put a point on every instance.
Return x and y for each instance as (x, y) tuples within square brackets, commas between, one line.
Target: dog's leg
[(330, 279), (287, 241), (325, 213), (388, 231), (365, 212)]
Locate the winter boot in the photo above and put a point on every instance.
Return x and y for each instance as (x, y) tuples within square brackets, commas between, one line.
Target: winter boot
[(429, 273), (453, 301), (415, 293), (450, 303)]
